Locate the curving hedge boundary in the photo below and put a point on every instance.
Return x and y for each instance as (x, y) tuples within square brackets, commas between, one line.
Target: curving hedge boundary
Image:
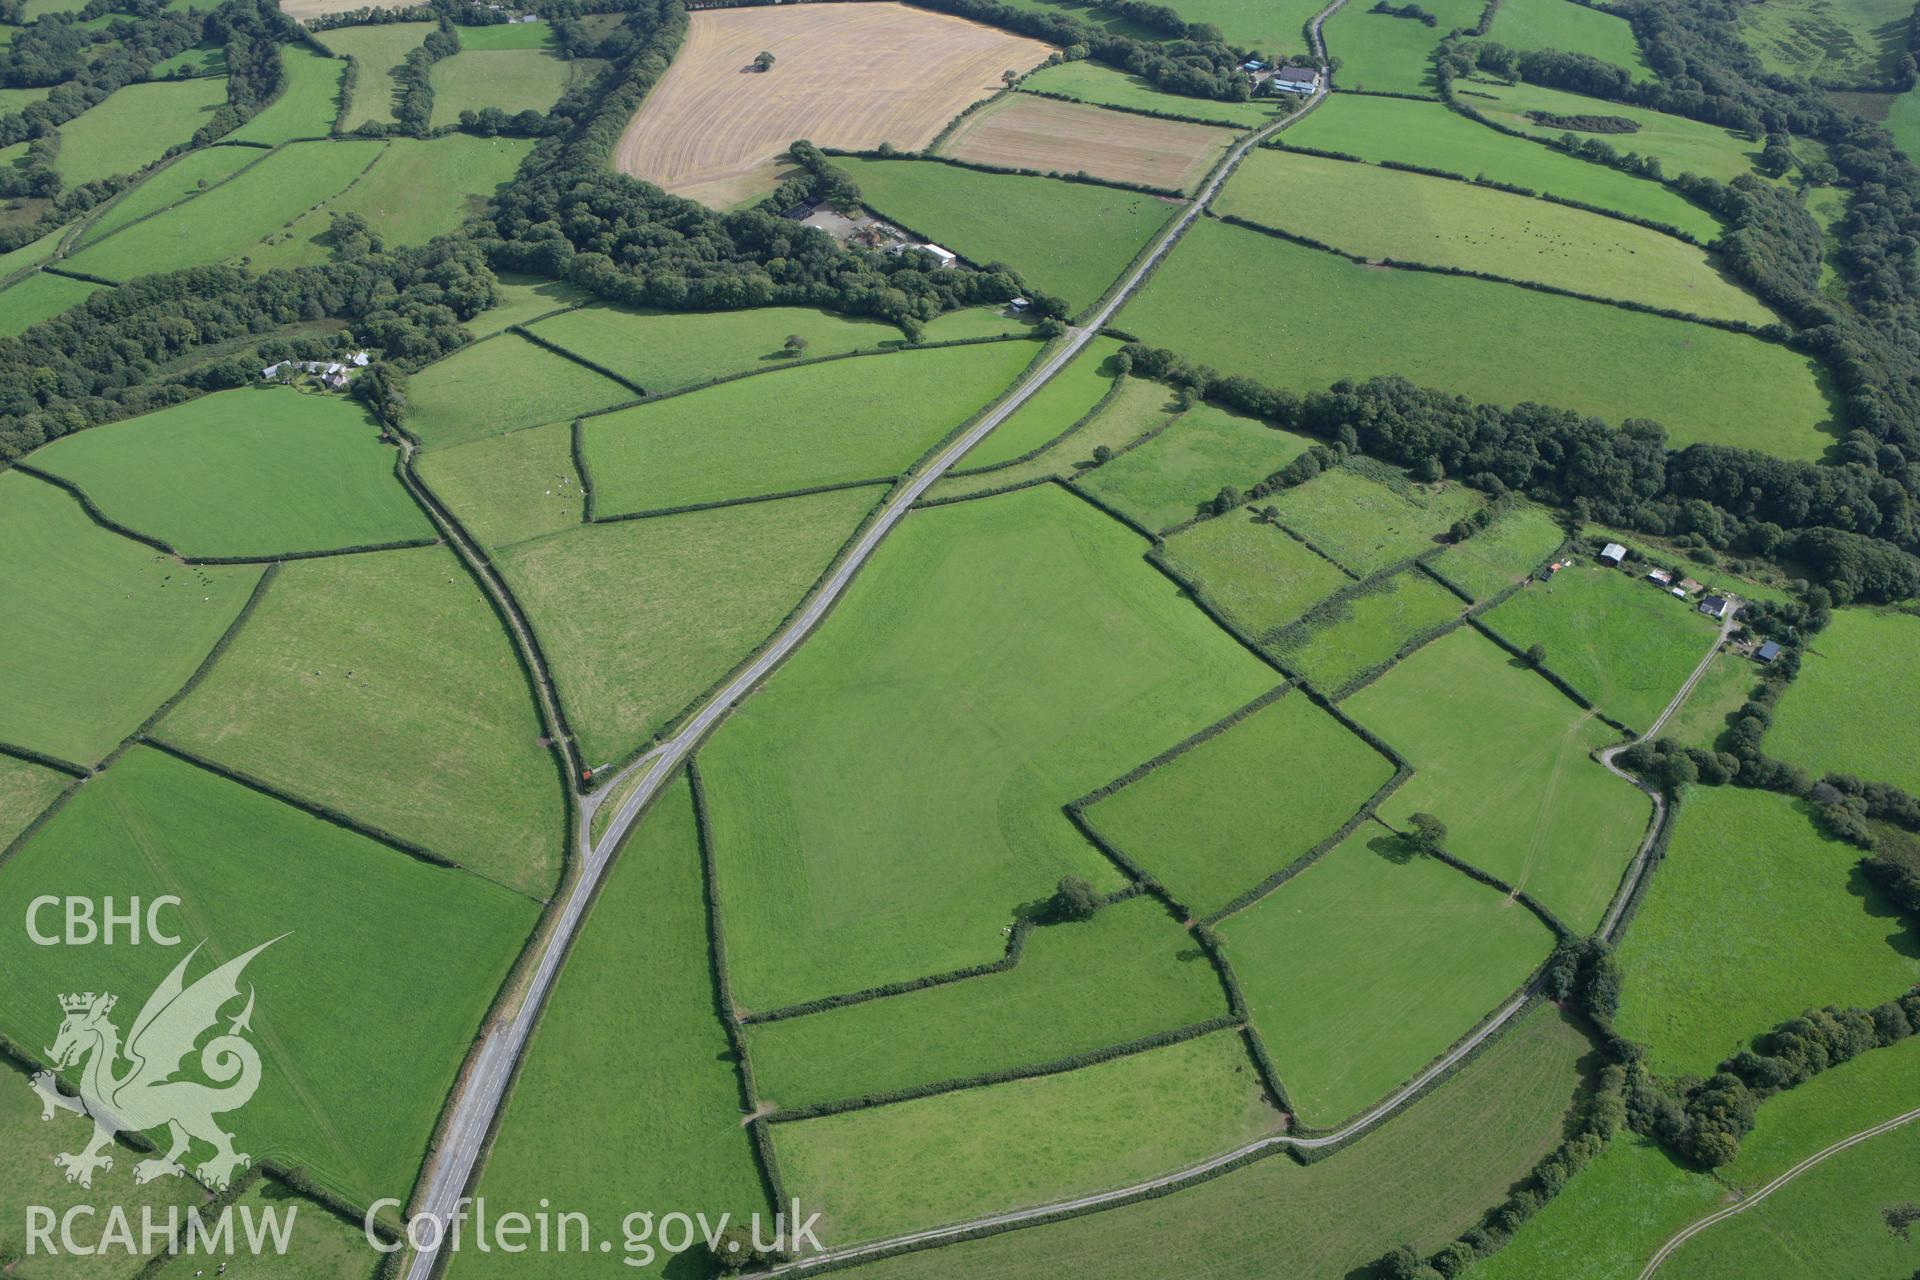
[(1764, 334), (1099, 406), (1058, 1066), (1525, 899), (993, 492), (724, 1006), (577, 446)]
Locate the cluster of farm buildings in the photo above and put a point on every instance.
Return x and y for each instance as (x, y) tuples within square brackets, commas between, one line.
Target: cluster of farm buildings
[(1714, 604), (1285, 79), (334, 375)]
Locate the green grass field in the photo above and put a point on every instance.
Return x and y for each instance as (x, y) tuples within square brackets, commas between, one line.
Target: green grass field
[(667, 1088), (1849, 42), (204, 59), (380, 50), (1421, 1179), (147, 621), (1139, 406), (501, 385), (1380, 214), (307, 105), (25, 791), (1571, 28), (184, 178), (39, 297), (1617, 638), (666, 351), (133, 127), (639, 616), (508, 35), (1258, 575), (1064, 238), (1221, 818), (29, 255), (1103, 86), (1613, 1216), (1497, 557), (996, 660), (1381, 53), (1370, 518), (944, 1159), (28, 1176), (1680, 144), (1365, 629), (523, 299), (1492, 342), (1170, 478), (367, 939), (1714, 702), (1369, 964), (1429, 134), (329, 694), (1499, 755), (1795, 925), (323, 1245), (259, 472), (514, 80), (415, 191), (1128, 973), (509, 488), (1052, 411), (830, 423), (1841, 713), (227, 221)]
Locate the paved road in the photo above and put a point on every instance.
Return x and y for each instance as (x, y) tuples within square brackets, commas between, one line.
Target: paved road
[(1639, 865), (481, 1091), (1667, 1250)]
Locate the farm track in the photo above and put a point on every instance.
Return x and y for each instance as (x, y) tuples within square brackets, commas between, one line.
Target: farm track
[(1685, 1234), (481, 1092)]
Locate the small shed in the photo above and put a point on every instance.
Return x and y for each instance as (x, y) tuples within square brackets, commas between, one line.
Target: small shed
[(1612, 554), (1767, 652), (947, 256), (1661, 576), (1715, 606)]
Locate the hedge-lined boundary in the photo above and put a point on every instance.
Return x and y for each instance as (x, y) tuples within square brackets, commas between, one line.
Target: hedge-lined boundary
[(522, 639), (1263, 1063), (192, 682), (1099, 406), (1639, 873), (890, 348), (107, 522), (577, 446), (1156, 556), (316, 809), (749, 500), (41, 758), (83, 276), (32, 828), (1149, 112), (1422, 639), (105, 206), (1407, 264), (1006, 1075), (1080, 176), (546, 344), (1373, 802), (1101, 505), (724, 1006), (1559, 927), (1187, 744), (1016, 947), (1316, 548), (1546, 673), (952, 126), (993, 492)]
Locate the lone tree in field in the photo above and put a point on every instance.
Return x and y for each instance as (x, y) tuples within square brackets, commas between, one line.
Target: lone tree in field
[(1074, 899), (1009, 77), (1429, 833), (763, 61), (1536, 656), (795, 344)]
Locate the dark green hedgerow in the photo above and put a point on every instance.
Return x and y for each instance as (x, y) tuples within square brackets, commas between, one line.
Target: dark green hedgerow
[(565, 354), (716, 503), (1113, 390)]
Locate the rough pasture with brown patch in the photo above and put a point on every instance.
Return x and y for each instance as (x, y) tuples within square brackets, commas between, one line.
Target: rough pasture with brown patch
[(844, 75)]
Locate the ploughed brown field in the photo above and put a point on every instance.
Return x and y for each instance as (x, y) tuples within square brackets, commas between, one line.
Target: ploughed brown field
[(844, 75), (1022, 131)]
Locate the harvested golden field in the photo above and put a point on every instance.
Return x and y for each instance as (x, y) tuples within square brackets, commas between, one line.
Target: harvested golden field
[(1022, 131), (844, 75)]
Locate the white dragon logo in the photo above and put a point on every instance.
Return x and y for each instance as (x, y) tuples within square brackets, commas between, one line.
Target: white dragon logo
[(145, 1096)]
